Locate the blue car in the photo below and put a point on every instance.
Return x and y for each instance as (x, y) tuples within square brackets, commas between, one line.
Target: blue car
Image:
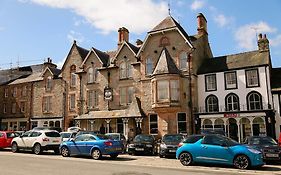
[(217, 149), (91, 145)]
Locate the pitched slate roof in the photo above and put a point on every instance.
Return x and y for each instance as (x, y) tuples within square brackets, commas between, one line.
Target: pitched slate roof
[(165, 64), (133, 47), (276, 79), (82, 52), (35, 75), (103, 56), (55, 71), (169, 22), (235, 61)]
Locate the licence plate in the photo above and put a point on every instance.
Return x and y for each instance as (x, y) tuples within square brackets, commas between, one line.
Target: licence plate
[(271, 155), (139, 149), (55, 141), (172, 151)]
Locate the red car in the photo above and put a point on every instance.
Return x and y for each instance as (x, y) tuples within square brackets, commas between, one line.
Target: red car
[(6, 137)]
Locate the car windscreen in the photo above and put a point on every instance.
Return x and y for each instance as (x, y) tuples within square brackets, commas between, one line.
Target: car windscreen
[(231, 142), (65, 135), (262, 141), (102, 136), (193, 139), (172, 138), (52, 134), (144, 138)]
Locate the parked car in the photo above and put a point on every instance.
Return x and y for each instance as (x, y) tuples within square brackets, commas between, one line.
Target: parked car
[(86, 132), (213, 131), (37, 141), (169, 144), (47, 128), (218, 149), (91, 145), (65, 136), (142, 143), (118, 136), (6, 138), (267, 145), (73, 129)]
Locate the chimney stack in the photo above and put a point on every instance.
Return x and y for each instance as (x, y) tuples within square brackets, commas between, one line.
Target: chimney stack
[(123, 35), (263, 43), (49, 63), (201, 24)]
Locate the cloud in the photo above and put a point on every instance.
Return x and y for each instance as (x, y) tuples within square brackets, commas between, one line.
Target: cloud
[(60, 63), (275, 41), (2, 28), (197, 4), (72, 35), (221, 20), (109, 15), (246, 34)]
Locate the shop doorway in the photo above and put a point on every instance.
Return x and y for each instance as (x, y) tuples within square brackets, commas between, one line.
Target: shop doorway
[(232, 129)]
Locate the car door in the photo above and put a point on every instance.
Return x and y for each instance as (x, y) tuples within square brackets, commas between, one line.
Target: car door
[(32, 138), (88, 144), (2, 139), (214, 149), (21, 141), (76, 145)]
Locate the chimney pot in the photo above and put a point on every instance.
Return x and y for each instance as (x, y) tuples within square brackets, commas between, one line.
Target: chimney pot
[(264, 36), (260, 36)]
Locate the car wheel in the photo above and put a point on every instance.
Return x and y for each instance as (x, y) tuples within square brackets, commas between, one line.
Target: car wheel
[(64, 151), (185, 158), (96, 154), (241, 162), (15, 147), (161, 156), (37, 149), (113, 156)]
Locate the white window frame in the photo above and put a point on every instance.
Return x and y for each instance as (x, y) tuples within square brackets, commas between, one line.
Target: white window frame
[(175, 90), (72, 101), (252, 77), (230, 80), (90, 75), (211, 82), (49, 83)]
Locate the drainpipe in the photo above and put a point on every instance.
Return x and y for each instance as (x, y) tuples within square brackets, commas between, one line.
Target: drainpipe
[(190, 94)]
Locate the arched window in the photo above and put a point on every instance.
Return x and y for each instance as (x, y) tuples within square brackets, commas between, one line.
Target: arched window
[(123, 70), (72, 76), (212, 104), (232, 102), (91, 75), (254, 101), (149, 66), (183, 61)]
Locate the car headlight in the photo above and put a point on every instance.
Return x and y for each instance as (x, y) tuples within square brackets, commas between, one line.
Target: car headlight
[(149, 146), (254, 151), (163, 146)]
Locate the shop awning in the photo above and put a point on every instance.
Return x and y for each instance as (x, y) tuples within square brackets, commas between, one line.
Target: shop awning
[(132, 111)]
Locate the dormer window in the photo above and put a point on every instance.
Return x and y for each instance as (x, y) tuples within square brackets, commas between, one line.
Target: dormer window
[(149, 66), (183, 61), (49, 83), (126, 70), (73, 76)]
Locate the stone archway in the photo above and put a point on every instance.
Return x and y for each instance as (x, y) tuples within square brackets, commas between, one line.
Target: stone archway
[(207, 123)]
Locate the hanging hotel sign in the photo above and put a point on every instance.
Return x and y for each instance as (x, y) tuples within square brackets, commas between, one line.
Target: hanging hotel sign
[(231, 115), (108, 94)]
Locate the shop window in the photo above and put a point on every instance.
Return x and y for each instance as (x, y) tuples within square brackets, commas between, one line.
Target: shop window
[(57, 124), (182, 123), (51, 124), (153, 124)]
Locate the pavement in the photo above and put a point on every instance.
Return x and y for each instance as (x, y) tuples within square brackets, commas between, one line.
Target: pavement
[(148, 162)]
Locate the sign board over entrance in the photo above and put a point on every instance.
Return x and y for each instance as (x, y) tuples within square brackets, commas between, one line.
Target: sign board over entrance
[(231, 115)]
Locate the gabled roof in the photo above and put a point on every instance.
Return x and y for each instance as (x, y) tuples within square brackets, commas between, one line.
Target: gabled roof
[(82, 52), (169, 23), (235, 61), (276, 79), (54, 71), (102, 56), (165, 64), (133, 48)]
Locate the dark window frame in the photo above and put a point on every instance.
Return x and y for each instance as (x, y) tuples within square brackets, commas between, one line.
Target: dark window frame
[(238, 101), (225, 81), (258, 78), (206, 103), (206, 84)]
